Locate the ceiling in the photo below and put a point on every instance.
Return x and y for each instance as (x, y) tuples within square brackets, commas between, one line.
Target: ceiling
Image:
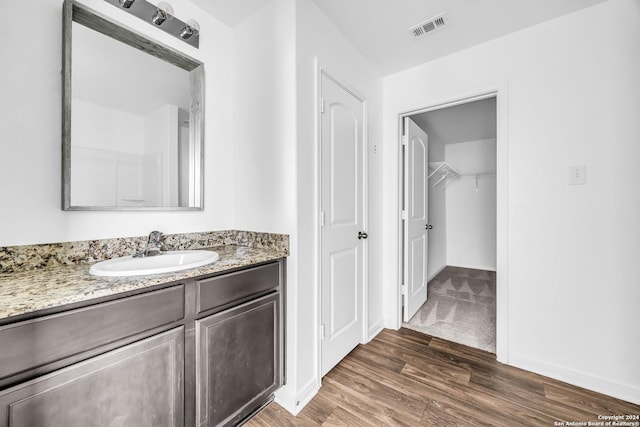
[(472, 121), (378, 28), (231, 12)]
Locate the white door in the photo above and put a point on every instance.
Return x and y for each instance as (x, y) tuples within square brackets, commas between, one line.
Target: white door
[(415, 211), (342, 221)]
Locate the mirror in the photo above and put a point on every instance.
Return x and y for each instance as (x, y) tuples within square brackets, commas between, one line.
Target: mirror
[(132, 132)]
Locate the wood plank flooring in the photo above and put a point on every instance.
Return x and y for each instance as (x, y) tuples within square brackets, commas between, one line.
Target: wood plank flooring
[(406, 378)]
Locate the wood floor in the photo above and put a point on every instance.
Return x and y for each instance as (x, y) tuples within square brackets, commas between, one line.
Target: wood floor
[(407, 378)]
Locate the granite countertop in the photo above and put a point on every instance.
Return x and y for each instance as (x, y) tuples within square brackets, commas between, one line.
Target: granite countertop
[(29, 291)]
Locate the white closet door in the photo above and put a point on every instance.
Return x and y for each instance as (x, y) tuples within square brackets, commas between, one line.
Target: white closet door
[(416, 155)]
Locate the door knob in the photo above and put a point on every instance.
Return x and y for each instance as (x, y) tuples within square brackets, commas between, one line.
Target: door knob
[(428, 227), (362, 235)]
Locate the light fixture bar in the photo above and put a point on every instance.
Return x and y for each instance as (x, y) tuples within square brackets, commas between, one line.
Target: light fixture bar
[(161, 17)]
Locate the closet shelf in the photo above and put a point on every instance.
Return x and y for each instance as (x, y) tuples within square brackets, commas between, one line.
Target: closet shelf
[(443, 172)]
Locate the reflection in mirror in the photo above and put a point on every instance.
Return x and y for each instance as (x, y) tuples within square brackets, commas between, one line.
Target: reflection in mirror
[(132, 131)]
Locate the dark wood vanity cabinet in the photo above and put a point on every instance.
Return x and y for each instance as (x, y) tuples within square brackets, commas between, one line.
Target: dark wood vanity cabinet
[(238, 361), (239, 348), (207, 351), (140, 384)]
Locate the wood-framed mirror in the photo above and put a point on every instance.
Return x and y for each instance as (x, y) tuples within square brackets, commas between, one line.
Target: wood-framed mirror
[(132, 119)]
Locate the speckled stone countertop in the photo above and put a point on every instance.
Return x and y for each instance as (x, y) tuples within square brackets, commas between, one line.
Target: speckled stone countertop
[(14, 259), (29, 291), (38, 277)]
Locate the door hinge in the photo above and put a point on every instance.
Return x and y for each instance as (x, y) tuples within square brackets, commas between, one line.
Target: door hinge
[(403, 214), (322, 331), (321, 219), (405, 139), (321, 105), (404, 289)]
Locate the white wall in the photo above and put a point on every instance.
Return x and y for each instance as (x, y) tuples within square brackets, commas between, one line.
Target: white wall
[(265, 170), (319, 40), (471, 209), (276, 159), (572, 98), (264, 121), (30, 162), (317, 37)]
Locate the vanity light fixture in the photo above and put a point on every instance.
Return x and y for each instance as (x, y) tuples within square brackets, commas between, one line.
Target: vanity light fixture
[(192, 28), (163, 18), (164, 12)]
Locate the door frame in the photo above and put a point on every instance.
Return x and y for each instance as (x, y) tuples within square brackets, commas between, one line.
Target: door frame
[(321, 71), (502, 219)]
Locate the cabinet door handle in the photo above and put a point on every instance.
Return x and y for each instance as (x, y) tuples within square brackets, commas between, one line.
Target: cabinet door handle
[(362, 235)]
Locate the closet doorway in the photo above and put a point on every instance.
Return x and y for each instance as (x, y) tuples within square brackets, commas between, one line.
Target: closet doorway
[(461, 255)]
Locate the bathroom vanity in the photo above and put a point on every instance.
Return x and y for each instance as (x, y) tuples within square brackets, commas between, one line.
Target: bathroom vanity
[(202, 349)]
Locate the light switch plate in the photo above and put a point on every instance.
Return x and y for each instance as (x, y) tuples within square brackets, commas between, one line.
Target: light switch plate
[(577, 175)]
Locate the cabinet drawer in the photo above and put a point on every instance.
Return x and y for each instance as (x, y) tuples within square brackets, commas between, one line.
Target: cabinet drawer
[(32, 343), (218, 291)]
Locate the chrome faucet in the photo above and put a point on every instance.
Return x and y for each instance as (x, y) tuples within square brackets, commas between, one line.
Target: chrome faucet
[(154, 246)]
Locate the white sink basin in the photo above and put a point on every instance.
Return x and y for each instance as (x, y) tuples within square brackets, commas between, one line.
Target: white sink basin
[(167, 262)]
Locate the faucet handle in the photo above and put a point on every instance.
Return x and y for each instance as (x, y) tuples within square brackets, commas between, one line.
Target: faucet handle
[(155, 241), (155, 236), (154, 246)]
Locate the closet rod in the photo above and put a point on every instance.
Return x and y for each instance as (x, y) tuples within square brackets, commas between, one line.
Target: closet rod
[(436, 170)]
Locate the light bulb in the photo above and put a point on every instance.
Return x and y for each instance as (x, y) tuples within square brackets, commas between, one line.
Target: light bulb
[(126, 3), (164, 12), (191, 28)]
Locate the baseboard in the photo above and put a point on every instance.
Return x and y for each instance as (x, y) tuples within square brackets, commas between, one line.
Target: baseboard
[(581, 379), (438, 271), (375, 329), (294, 404), (285, 399)]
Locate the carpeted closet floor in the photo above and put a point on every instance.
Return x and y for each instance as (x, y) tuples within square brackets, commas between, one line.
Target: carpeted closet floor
[(460, 307)]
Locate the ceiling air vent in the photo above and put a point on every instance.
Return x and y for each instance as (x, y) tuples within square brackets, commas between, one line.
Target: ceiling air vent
[(427, 27)]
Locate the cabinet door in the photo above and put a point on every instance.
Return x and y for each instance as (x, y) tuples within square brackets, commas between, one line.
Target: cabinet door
[(140, 384), (237, 361)]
